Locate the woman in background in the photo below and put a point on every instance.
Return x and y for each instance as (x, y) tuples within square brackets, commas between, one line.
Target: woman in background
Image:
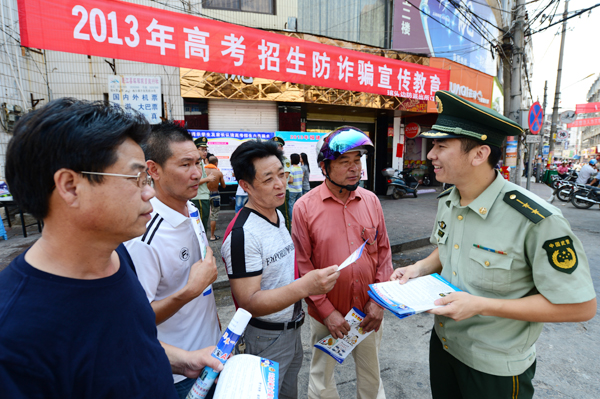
[(306, 175)]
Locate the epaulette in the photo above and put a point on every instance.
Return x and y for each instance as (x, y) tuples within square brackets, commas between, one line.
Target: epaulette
[(445, 192), (527, 207)]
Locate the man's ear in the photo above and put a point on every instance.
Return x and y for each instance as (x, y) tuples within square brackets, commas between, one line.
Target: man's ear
[(480, 155), (66, 182), (153, 169), (245, 185), (322, 167)]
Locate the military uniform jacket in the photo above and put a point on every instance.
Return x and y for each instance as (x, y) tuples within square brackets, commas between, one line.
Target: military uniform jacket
[(508, 243), (287, 168)]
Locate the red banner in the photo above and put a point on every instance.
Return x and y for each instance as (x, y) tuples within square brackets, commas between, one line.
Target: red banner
[(584, 122), (115, 29), (587, 108)]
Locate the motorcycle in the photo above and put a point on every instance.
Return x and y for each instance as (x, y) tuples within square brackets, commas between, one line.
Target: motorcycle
[(400, 183), (586, 197)]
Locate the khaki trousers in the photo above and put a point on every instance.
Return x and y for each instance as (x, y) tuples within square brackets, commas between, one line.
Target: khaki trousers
[(321, 384)]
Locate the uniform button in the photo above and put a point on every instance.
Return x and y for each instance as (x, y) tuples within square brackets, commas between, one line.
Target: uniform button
[(483, 210), (441, 324), (460, 217), (454, 273), (443, 339), (487, 263), (455, 246), (446, 347)]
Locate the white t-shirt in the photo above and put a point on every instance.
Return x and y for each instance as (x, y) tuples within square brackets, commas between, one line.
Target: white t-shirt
[(585, 173), (261, 247), (162, 258)]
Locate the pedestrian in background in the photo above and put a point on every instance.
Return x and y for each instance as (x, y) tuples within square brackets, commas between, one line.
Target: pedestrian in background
[(331, 222), (215, 197), (513, 255), (202, 198), (284, 208), (295, 182), (305, 173)]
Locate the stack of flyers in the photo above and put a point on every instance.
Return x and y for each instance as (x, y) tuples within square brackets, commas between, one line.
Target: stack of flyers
[(416, 296)]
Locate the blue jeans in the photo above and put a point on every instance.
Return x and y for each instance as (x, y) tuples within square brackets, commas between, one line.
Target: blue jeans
[(293, 198), (240, 201), (304, 191)]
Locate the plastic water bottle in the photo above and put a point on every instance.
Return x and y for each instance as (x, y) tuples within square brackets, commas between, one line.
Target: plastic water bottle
[(230, 337)]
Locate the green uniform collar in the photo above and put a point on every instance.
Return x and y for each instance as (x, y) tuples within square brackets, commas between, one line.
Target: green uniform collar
[(483, 203)]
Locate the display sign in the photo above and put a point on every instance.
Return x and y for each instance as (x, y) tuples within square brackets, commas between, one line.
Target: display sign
[(535, 118), (584, 122), (412, 130), (438, 28), (532, 139), (562, 135), (127, 31), (141, 93), (511, 152), (588, 108), (222, 144), (465, 82), (568, 116)]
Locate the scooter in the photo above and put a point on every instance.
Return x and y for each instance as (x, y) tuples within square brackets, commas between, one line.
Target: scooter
[(586, 197), (400, 183)]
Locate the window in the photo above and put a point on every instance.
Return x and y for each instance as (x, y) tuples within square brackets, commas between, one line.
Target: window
[(259, 6)]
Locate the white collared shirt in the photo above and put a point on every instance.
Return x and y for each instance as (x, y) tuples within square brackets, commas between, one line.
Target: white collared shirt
[(162, 257)]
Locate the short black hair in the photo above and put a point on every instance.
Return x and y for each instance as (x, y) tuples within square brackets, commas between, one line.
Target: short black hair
[(295, 159), (65, 133), (242, 159), (157, 147), (468, 144)]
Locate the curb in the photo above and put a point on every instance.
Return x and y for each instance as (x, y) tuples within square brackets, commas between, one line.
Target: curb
[(398, 247)]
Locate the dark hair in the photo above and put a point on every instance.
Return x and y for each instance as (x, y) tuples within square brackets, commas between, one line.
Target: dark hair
[(242, 159), (157, 146), (213, 160), (305, 160), (295, 159), (65, 133), (468, 144)]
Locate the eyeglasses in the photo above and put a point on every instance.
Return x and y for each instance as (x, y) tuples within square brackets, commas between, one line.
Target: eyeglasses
[(370, 242), (142, 179)]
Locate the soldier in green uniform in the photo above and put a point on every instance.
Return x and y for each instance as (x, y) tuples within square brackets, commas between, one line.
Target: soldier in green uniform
[(287, 168), (514, 256), (201, 200)]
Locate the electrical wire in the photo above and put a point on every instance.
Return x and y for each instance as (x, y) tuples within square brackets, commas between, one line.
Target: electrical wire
[(562, 20)]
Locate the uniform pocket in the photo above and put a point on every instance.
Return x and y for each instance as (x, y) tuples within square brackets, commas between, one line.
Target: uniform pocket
[(370, 235), (489, 271)]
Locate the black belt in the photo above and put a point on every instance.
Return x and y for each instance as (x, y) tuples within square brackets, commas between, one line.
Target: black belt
[(264, 325)]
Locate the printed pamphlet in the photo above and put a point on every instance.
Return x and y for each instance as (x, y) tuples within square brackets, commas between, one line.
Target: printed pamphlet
[(248, 377), (339, 349), (416, 296)]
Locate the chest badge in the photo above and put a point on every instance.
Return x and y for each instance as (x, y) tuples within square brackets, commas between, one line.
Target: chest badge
[(184, 254), (561, 254), (442, 225)]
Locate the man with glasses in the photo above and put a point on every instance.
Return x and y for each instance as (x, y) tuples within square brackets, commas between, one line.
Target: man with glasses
[(74, 321), (329, 223), (173, 261)]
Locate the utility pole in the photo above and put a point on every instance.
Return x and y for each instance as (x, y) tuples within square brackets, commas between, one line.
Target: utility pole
[(516, 81), (553, 127), (541, 146)]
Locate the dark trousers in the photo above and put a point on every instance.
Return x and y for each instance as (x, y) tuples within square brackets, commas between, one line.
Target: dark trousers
[(204, 210), (452, 379)]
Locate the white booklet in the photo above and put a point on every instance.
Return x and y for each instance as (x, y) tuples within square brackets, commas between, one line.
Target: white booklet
[(248, 377), (339, 349), (416, 296)]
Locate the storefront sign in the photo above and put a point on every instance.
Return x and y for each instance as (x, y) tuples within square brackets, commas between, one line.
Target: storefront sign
[(141, 93), (584, 122), (465, 82), (438, 28), (412, 130), (122, 30), (223, 143)]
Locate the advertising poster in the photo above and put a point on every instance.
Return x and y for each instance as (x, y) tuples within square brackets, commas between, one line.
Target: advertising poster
[(306, 142), (222, 144), (511, 152), (141, 93), (438, 29)]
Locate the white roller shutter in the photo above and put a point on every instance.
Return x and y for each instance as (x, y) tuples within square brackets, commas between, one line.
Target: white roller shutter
[(246, 116)]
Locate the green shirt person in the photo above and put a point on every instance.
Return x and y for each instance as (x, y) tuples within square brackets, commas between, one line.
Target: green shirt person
[(514, 256)]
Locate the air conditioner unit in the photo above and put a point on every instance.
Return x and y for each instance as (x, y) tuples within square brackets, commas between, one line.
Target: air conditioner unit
[(292, 24)]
